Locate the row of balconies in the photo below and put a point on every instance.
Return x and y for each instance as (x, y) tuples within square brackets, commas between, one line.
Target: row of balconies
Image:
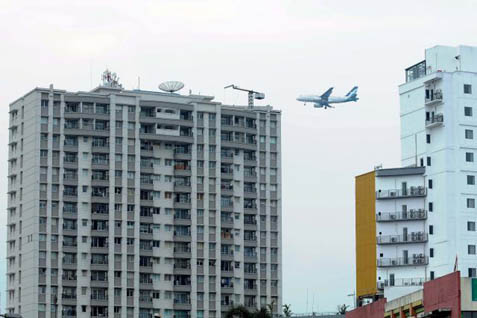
[(401, 282), (412, 192), (415, 237), (410, 215), (415, 260)]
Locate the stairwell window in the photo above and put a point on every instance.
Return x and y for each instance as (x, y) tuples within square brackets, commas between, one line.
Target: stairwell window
[(471, 249), (469, 134), (471, 226), (468, 111), (428, 161), (472, 272), (431, 252), (467, 89), (470, 180), (470, 203), (430, 183), (431, 229)]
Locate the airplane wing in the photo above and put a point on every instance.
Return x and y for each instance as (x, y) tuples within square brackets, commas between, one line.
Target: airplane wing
[(327, 94)]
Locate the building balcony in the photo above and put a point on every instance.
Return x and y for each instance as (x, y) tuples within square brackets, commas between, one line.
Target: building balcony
[(411, 215), (415, 260), (433, 97), (412, 192), (435, 121), (415, 237), (401, 282)]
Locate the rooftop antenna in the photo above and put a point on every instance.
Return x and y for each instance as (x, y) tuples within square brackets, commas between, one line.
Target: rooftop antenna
[(251, 94)]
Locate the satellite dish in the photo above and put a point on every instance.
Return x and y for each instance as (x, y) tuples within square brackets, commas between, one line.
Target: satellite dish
[(171, 86)]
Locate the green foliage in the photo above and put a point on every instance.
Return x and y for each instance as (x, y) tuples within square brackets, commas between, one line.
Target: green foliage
[(342, 309), (287, 312), (238, 312)]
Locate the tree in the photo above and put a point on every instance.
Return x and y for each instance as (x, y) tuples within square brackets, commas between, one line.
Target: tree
[(238, 312), (342, 309), (287, 310), (262, 313)]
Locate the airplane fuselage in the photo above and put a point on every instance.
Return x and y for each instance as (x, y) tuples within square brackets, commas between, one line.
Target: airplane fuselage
[(326, 99), (331, 100)]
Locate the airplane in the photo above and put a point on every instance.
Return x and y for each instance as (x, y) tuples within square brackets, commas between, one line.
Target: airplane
[(325, 100)]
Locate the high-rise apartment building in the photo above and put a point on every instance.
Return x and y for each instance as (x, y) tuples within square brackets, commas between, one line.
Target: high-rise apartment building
[(130, 203), (438, 105)]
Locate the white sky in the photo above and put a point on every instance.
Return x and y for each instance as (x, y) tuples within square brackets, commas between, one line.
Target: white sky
[(283, 48)]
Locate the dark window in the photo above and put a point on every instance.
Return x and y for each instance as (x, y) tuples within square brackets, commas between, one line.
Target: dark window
[(428, 161), (431, 252), (469, 134), (428, 138), (470, 180), (469, 157), (422, 162), (428, 116), (432, 275), (431, 206), (471, 226), (430, 183), (431, 229), (467, 89), (468, 111), (471, 249), (472, 272), (471, 203)]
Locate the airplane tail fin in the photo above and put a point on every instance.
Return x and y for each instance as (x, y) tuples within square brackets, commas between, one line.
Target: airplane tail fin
[(353, 92)]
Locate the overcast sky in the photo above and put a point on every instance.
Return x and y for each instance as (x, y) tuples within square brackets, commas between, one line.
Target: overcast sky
[(283, 48)]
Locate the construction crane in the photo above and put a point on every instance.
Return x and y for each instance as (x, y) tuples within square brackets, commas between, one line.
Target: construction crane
[(251, 94)]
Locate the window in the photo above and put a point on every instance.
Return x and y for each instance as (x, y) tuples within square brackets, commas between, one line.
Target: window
[(431, 252), (471, 226), (432, 275), (469, 157), (468, 111), (428, 138), (469, 134), (472, 272), (431, 206), (467, 89), (471, 249), (431, 229), (470, 203), (471, 180), (428, 161), (430, 183)]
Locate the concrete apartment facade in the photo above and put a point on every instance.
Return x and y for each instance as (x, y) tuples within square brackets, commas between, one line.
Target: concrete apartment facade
[(134, 203), (437, 109)]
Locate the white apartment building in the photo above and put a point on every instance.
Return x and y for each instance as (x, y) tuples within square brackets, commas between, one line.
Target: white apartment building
[(131, 203), (438, 124), (435, 231)]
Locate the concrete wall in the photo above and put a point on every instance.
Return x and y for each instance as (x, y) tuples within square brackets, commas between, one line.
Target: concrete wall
[(443, 293)]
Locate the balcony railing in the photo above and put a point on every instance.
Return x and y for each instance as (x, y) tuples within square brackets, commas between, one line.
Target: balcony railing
[(434, 96), (435, 120), (401, 282), (401, 193), (415, 260), (416, 237), (413, 214)]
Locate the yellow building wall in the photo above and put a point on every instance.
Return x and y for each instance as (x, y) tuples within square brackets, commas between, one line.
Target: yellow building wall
[(365, 220)]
